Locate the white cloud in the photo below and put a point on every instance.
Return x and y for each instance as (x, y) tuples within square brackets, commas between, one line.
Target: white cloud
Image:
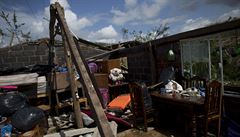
[(137, 11), (74, 22), (192, 24), (130, 3), (162, 21), (232, 14), (104, 34), (39, 27), (107, 40)]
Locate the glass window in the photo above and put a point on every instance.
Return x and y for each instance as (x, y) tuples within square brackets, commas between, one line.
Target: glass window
[(200, 53), (195, 58)]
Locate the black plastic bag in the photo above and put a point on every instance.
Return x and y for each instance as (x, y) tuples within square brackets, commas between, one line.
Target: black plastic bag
[(11, 102), (26, 118)]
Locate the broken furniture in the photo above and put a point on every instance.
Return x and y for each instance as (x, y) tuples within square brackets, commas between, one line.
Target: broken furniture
[(141, 105), (61, 85), (212, 107)]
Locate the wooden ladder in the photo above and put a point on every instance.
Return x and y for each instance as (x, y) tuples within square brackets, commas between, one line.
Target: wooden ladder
[(73, 56)]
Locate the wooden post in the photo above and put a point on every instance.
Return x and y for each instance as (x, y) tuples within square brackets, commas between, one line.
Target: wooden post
[(51, 55), (100, 117), (68, 58), (74, 89)]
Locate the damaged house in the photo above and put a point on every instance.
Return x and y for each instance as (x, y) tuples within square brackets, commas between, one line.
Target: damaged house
[(186, 84)]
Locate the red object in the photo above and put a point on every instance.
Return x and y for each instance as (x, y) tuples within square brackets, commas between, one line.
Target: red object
[(8, 87), (120, 102)]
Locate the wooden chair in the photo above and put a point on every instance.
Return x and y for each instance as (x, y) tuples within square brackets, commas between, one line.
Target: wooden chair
[(212, 107), (185, 82), (141, 105), (197, 82)]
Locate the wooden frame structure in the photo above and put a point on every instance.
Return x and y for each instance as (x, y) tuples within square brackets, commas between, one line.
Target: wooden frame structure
[(73, 56)]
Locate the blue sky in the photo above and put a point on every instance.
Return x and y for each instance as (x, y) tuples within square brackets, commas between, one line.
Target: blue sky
[(103, 20)]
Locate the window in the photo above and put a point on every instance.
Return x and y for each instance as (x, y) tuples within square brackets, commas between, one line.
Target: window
[(195, 58), (202, 56)]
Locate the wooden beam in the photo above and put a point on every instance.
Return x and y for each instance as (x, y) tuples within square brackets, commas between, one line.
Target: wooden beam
[(20, 79), (73, 84), (99, 115), (74, 132), (68, 58)]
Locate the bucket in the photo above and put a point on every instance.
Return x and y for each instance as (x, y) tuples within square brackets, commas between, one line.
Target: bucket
[(105, 96)]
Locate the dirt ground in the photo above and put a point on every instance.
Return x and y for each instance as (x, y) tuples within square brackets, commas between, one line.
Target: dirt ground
[(138, 133)]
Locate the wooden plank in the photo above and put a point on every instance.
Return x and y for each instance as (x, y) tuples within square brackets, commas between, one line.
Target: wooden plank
[(73, 84), (74, 132), (83, 131), (113, 126), (51, 93), (95, 104), (21, 79)]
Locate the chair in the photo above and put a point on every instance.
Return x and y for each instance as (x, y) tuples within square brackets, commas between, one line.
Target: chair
[(141, 105), (197, 82), (185, 82), (212, 106)]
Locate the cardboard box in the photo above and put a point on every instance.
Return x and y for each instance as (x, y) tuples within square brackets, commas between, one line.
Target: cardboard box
[(62, 80), (107, 65), (101, 80)]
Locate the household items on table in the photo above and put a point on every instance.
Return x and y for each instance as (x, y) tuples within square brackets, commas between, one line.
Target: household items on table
[(172, 87)]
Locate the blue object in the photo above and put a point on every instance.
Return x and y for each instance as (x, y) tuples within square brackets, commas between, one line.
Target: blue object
[(202, 91), (62, 69), (6, 130)]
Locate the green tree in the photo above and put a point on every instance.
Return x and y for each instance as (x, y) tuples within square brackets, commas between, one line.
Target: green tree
[(155, 33), (13, 29)]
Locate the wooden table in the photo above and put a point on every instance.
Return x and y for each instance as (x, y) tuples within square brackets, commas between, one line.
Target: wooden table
[(190, 106)]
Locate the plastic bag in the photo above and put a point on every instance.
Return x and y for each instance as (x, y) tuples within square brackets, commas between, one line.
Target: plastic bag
[(6, 130), (26, 118), (11, 102)]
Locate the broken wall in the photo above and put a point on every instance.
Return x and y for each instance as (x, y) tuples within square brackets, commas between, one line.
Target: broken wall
[(34, 53), (140, 66), (23, 55)]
